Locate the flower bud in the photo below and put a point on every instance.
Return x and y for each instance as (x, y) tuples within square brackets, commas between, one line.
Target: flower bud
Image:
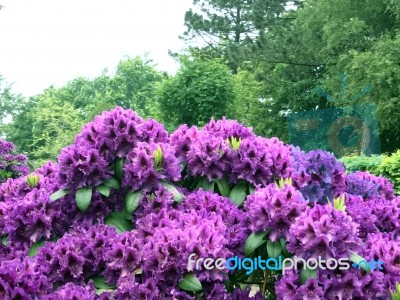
[(32, 180), (158, 158)]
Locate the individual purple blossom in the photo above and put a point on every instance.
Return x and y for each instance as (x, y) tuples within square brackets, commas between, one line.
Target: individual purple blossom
[(143, 170), (323, 231), (114, 133), (15, 189), (274, 208), (154, 202), (290, 288), (287, 287), (31, 218)]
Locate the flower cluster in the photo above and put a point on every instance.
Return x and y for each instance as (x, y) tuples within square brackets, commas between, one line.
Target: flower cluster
[(21, 279), (323, 231), (319, 175), (349, 284), (182, 234), (385, 247), (226, 149), (148, 164), (115, 134), (369, 186), (276, 209), (12, 165), (208, 204), (362, 213)]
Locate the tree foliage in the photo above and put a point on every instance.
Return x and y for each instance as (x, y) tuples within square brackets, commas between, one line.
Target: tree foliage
[(41, 125), (201, 89), (294, 47)]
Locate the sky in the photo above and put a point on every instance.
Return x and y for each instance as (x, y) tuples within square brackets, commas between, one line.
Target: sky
[(49, 42)]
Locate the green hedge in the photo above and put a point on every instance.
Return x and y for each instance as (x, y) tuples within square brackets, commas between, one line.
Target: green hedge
[(383, 165)]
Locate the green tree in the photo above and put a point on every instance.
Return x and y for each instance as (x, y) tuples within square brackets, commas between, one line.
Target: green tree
[(134, 85), (227, 28), (199, 91), (54, 127)]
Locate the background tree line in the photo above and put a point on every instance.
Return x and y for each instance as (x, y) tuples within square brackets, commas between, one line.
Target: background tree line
[(258, 61)]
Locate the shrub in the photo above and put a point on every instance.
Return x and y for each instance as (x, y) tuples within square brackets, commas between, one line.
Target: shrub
[(387, 166), (128, 205), (12, 165)]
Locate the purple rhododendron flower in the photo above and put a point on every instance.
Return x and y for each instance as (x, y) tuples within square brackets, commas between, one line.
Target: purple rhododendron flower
[(275, 209), (369, 186), (318, 175), (323, 231), (141, 171), (12, 165), (362, 213), (207, 203)]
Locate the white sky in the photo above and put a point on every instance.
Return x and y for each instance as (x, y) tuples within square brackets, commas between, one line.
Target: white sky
[(45, 42)]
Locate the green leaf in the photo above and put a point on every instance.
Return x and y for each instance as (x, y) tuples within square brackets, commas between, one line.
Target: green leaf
[(205, 184), (274, 249), (132, 201), (57, 195), (178, 196), (101, 285), (208, 186), (83, 197), (238, 193), (112, 183), (118, 167), (306, 274), (254, 241), (284, 250), (119, 221), (251, 189), (354, 257), (4, 240), (104, 190), (190, 283), (223, 187), (33, 250)]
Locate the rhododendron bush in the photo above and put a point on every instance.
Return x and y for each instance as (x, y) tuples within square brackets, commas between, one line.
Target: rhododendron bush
[(12, 164), (123, 208)]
